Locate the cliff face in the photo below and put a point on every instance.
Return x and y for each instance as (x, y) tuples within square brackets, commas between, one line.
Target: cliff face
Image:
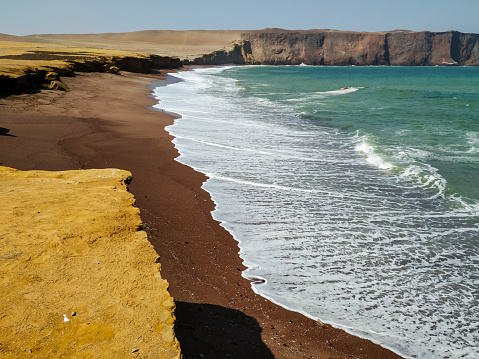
[(326, 47), (425, 48), (25, 69), (317, 48), (240, 54)]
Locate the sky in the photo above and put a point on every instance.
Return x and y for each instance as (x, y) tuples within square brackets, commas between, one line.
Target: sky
[(27, 17)]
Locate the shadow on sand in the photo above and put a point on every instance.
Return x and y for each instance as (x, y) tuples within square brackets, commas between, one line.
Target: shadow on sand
[(5, 132), (211, 331)]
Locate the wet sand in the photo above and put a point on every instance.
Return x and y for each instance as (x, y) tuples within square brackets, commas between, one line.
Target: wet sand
[(105, 122)]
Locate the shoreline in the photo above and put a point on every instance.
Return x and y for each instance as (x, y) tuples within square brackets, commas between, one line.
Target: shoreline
[(350, 330), (110, 124)]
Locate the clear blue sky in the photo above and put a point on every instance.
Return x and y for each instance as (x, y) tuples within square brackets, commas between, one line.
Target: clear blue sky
[(25, 17)]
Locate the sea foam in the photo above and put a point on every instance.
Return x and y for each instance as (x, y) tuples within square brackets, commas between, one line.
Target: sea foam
[(372, 157), (332, 221)]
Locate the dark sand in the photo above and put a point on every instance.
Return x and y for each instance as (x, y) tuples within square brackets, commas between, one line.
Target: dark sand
[(104, 122)]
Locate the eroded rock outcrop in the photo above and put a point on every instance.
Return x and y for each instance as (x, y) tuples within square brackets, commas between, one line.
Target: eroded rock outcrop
[(239, 54), (52, 76), (33, 66), (58, 86)]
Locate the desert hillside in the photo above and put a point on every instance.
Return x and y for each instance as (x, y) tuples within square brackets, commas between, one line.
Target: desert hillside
[(183, 44)]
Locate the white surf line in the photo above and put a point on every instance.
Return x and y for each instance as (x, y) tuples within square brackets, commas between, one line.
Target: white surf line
[(225, 146)]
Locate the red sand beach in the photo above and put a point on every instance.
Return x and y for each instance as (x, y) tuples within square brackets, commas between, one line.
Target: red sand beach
[(104, 122)]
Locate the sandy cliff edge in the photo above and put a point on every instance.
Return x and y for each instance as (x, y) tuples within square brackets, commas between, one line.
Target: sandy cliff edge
[(66, 239)]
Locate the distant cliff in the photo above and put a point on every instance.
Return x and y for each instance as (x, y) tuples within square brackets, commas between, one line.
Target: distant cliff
[(328, 47)]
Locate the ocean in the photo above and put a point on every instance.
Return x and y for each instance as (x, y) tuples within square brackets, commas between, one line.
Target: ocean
[(352, 191)]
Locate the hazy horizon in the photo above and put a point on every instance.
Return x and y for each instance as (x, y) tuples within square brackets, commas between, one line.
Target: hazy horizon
[(212, 30), (23, 17)]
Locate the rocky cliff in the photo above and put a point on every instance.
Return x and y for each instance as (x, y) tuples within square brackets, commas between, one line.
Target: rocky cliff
[(25, 67), (328, 47), (240, 54)]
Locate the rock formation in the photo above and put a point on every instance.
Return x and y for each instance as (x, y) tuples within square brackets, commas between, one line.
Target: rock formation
[(52, 76), (58, 86), (339, 48), (240, 54), (26, 70)]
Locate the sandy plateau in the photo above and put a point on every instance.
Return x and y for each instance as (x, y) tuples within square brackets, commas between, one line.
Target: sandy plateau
[(66, 239)]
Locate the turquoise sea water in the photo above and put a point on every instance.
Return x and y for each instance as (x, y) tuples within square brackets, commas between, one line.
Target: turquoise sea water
[(353, 192)]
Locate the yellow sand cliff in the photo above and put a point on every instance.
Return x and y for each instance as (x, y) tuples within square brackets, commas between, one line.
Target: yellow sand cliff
[(78, 278), (18, 57), (26, 66)]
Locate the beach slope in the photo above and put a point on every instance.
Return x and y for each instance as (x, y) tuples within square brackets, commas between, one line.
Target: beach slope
[(105, 122)]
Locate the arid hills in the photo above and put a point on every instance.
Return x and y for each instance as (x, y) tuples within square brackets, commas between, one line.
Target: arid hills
[(285, 47)]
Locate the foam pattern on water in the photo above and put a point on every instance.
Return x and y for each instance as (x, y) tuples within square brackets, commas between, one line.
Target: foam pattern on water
[(329, 224)]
